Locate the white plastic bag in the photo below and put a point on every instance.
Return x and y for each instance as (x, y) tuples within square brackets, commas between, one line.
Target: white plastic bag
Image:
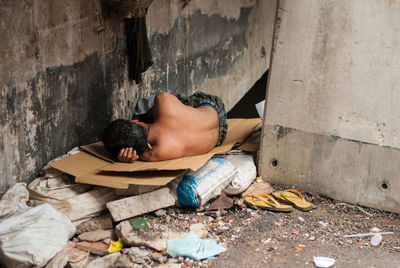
[(247, 171), (34, 236), (78, 201), (14, 200)]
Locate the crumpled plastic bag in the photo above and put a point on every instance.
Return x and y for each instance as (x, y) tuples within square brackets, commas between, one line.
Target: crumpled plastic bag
[(14, 200), (193, 247), (33, 236), (78, 201), (246, 172)]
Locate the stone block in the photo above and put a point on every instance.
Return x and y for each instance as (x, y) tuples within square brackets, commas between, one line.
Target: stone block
[(140, 204), (155, 239), (97, 248), (199, 229), (108, 261), (103, 221), (97, 235)]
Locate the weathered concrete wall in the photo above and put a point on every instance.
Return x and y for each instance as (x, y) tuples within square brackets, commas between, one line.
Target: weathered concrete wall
[(332, 97), (63, 68)]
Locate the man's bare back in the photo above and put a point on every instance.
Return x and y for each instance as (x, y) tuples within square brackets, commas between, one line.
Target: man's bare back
[(176, 130)]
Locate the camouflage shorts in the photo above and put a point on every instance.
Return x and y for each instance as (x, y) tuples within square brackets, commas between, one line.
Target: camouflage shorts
[(202, 99)]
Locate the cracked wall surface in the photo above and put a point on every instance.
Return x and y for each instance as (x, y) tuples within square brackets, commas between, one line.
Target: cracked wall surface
[(63, 70)]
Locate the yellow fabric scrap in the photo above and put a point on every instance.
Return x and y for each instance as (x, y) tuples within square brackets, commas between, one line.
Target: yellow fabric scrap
[(115, 246)]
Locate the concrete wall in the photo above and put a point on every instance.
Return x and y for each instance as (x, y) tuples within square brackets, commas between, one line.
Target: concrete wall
[(332, 117), (63, 68)]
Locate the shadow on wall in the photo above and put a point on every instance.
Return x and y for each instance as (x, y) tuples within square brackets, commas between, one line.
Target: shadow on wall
[(245, 108)]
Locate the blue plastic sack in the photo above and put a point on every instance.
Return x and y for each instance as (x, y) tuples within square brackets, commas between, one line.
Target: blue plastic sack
[(193, 247), (198, 187)]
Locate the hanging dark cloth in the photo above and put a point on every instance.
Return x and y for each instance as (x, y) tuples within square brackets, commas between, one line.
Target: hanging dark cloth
[(139, 53)]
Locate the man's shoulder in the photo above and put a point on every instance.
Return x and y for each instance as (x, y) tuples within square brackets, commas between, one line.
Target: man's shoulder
[(168, 106)]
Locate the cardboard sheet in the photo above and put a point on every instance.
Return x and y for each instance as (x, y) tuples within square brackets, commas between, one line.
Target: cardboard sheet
[(95, 166), (238, 130), (124, 179)]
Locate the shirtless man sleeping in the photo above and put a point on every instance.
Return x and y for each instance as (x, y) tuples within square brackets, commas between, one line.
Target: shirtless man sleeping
[(173, 127)]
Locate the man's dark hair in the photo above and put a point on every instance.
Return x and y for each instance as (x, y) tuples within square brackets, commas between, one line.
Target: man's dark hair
[(121, 134)]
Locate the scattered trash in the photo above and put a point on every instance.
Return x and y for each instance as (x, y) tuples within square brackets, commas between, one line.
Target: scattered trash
[(115, 246), (323, 224), (375, 230), (33, 236), (300, 219), (139, 223), (323, 262), (260, 108), (376, 239), (221, 202), (257, 189), (194, 247), (258, 180), (363, 211), (366, 234), (246, 172), (196, 188)]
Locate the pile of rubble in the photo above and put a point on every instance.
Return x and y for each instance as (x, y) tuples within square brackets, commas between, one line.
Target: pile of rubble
[(80, 225)]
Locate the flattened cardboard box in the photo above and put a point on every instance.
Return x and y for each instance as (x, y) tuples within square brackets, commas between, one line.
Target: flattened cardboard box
[(96, 166)]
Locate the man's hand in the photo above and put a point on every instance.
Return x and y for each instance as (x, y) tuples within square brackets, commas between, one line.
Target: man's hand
[(127, 155)]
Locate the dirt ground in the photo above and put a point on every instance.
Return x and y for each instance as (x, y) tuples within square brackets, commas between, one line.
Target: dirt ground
[(259, 238)]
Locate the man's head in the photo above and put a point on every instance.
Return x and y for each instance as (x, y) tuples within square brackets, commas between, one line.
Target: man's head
[(121, 134)]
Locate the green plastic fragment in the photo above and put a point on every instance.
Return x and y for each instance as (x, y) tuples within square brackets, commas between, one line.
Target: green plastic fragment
[(139, 223)]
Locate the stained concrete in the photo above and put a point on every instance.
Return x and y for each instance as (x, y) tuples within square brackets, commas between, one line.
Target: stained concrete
[(63, 71), (332, 94)]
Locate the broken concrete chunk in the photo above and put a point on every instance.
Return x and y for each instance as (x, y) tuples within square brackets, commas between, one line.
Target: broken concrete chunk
[(97, 235), (108, 261), (74, 254), (82, 263), (159, 258), (103, 221), (58, 261), (137, 205), (107, 241), (161, 213), (138, 255), (136, 189), (199, 229), (97, 248), (155, 239), (124, 262)]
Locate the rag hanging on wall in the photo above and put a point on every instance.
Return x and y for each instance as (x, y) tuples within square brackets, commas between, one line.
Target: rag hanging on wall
[(138, 47)]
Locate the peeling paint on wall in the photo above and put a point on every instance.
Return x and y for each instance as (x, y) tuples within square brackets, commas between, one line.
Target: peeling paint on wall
[(61, 80)]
